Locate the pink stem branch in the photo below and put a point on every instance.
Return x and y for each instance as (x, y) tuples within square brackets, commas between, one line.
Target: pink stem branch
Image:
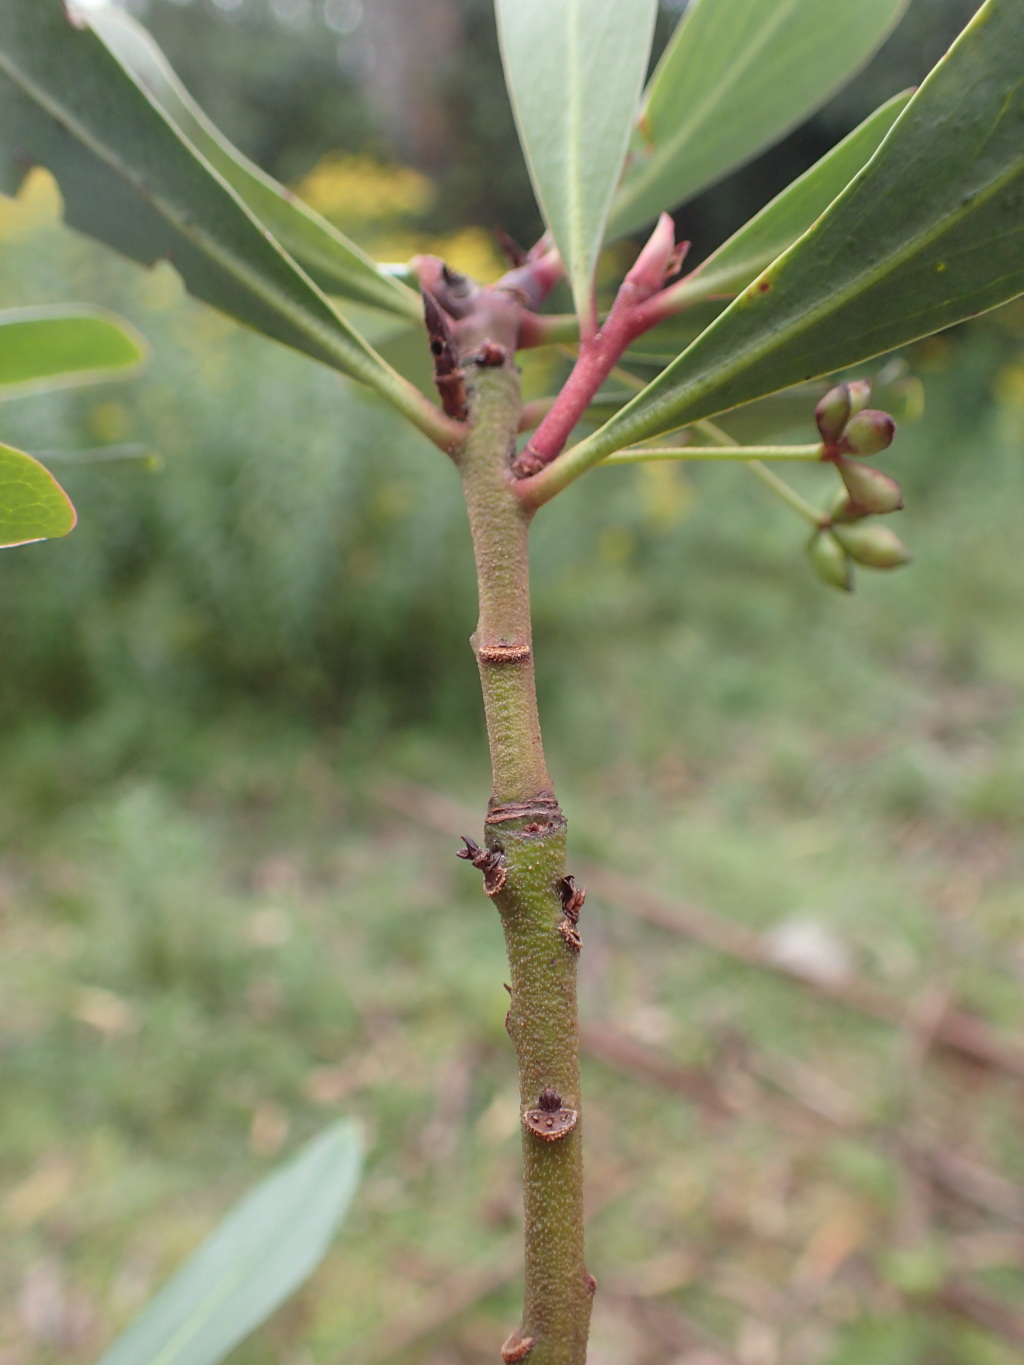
[(634, 311)]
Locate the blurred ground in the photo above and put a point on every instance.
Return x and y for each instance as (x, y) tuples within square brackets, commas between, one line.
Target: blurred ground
[(218, 929)]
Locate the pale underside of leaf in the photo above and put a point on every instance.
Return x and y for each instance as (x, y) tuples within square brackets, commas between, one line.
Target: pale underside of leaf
[(258, 1255), (930, 232), (736, 77), (574, 70)]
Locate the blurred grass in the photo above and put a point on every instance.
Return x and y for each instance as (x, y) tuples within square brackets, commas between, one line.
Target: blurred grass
[(215, 937)]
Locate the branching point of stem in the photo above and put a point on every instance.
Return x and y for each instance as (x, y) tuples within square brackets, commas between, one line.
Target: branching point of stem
[(633, 312)]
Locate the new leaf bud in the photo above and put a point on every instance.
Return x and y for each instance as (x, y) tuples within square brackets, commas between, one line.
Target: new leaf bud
[(868, 432), (869, 489), (875, 546), (860, 392), (832, 413), (831, 561)]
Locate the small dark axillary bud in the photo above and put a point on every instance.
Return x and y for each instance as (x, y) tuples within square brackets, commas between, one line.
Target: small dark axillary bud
[(491, 354), (869, 489), (573, 897), (831, 561), (571, 935), (527, 462), (868, 433), (875, 546), (517, 1347), (832, 413), (491, 862), (551, 1120)]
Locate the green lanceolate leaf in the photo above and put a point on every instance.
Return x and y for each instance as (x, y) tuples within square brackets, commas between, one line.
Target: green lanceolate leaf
[(50, 348), (930, 232), (33, 506), (129, 179), (574, 70), (262, 1251), (737, 76), (336, 264), (791, 213)]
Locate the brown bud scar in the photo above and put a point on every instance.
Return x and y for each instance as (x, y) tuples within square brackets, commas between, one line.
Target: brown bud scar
[(452, 390), (527, 462), (517, 1347), (491, 354), (571, 935), (519, 810), (491, 862), (551, 1120), (573, 897), (504, 654), (448, 376)]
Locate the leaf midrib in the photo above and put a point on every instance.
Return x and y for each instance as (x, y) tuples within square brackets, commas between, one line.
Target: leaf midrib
[(201, 1314)]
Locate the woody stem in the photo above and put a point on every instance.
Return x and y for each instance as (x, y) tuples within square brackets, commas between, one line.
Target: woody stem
[(526, 828)]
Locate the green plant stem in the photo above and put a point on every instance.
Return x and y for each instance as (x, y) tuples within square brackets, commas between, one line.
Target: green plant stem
[(752, 454), (525, 825)]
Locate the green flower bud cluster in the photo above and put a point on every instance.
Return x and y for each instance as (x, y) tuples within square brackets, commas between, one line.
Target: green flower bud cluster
[(849, 427)]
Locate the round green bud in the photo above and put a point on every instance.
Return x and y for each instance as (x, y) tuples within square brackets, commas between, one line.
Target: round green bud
[(868, 432), (875, 546), (832, 413), (860, 392), (870, 490), (830, 560)]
